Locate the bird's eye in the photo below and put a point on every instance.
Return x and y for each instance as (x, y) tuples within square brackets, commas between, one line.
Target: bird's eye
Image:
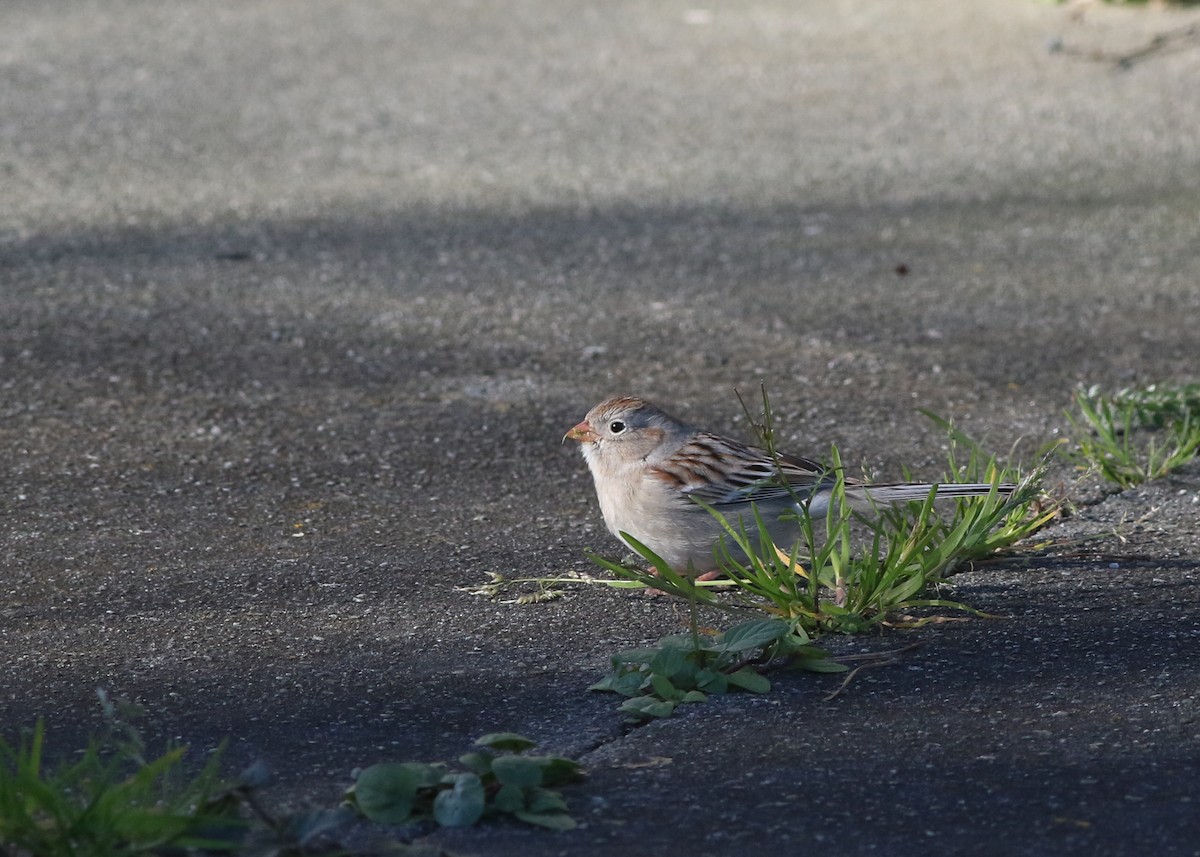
[(616, 427)]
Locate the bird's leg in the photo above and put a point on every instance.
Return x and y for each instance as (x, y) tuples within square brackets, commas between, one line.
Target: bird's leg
[(708, 575)]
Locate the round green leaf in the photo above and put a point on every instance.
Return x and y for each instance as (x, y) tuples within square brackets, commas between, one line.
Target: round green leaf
[(510, 741), (556, 769), (477, 763), (385, 793), (520, 771), (462, 805), (509, 799)]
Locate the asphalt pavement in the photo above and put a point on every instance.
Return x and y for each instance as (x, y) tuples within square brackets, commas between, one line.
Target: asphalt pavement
[(297, 301)]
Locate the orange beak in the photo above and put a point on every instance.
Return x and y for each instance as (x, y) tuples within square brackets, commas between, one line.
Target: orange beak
[(582, 433)]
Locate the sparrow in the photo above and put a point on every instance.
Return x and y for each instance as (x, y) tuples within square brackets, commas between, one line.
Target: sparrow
[(650, 468)]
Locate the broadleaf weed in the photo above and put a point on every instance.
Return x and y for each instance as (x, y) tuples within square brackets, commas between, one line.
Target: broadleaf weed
[(500, 779)]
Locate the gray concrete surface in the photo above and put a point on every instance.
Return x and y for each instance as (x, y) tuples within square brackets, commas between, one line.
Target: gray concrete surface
[(296, 301)]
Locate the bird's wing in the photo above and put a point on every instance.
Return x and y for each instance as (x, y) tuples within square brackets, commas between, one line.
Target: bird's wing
[(723, 472)]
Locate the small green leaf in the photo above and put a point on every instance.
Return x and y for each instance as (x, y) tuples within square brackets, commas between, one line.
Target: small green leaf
[(694, 696), (477, 763), (519, 771), (556, 769), (711, 681), (462, 805), (747, 679), (510, 799), (510, 741), (544, 800), (626, 684), (684, 678), (608, 683), (663, 687), (551, 820), (668, 661), (385, 793), (752, 635), (648, 706)]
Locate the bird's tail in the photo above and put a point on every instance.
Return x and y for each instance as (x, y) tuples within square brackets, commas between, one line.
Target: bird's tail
[(903, 492)]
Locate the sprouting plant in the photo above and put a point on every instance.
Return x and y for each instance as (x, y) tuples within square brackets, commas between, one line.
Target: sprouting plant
[(690, 667), (499, 779)]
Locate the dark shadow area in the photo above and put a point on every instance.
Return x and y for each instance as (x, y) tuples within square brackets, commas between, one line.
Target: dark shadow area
[(374, 299)]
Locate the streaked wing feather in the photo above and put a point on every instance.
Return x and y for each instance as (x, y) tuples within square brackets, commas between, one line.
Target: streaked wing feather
[(723, 472)]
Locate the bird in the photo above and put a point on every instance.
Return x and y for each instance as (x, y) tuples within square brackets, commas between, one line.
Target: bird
[(650, 469)]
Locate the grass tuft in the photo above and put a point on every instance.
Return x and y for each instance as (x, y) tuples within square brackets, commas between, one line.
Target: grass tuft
[(111, 801), (1136, 435), (849, 572)]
